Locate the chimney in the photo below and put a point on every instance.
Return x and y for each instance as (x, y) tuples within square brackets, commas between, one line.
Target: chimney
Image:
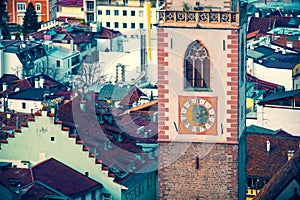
[(21, 37), (83, 105), (290, 154), (4, 86), (268, 146), (72, 44), (36, 83), (42, 81)]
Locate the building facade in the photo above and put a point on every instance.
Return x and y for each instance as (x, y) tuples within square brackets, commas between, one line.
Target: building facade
[(45, 9), (201, 100), (124, 15)]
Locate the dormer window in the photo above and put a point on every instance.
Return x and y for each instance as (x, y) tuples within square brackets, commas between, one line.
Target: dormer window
[(196, 67)]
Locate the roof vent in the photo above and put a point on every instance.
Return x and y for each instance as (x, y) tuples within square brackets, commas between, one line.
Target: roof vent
[(290, 154), (140, 130), (268, 146)]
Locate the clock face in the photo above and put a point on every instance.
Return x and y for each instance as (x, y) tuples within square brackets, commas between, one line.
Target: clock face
[(197, 115)]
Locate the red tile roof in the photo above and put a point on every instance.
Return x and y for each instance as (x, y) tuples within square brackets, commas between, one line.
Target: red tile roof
[(19, 85), (106, 33), (282, 41), (261, 84), (132, 96), (102, 139), (18, 174), (8, 79), (289, 172), (63, 178), (39, 191), (259, 163), (267, 23), (74, 3), (252, 34)]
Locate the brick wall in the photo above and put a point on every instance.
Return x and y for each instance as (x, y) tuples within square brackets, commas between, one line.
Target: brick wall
[(233, 86), (163, 92), (216, 178)]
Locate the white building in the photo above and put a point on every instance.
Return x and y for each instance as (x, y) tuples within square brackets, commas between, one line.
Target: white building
[(62, 61), (123, 15), (279, 111), (23, 58), (268, 64)]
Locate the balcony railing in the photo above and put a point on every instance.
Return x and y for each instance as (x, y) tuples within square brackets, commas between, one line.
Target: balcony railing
[(198, 17)]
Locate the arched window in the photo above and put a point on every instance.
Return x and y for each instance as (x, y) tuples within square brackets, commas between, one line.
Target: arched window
[(196, 67)]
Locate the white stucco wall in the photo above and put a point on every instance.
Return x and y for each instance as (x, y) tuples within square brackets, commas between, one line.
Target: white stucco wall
[(11, 64), (67, 11), (218, 57), (16, 104), (273, 75), (140, 17), (34, 144), (276, 118)]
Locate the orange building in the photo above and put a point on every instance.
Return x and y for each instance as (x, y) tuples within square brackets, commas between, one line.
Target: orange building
[(45, 9)]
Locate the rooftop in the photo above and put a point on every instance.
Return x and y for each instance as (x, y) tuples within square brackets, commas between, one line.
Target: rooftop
[(279, 96), (73, 3), (260, 163), (288, 173)]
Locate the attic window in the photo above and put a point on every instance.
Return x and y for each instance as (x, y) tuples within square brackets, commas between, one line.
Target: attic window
[(52, 139), (106, 196), (86, 173)]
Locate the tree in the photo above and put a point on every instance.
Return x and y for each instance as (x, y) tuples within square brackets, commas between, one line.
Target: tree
[(3, 20), (30, 20), (90, 71)]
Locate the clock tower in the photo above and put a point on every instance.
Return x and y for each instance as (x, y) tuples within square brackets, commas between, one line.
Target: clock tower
[(201, 99)]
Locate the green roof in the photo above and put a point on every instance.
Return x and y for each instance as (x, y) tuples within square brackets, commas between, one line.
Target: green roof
[(258, 129), (113, 92), (254, 54)]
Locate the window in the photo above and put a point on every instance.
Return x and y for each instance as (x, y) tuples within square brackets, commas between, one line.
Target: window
[(107, 12), (106, 196), (124, 25), (38, 7), (23, 105), (107, 24), (132, 13), (58, 63), (196, 67), (21, 6), (75, 60), (52, 139), (90, 17), (116, 12), (141, 13), (116, 24), (93, 195), (141, 25), (90, 6), (132, 25), (99, 12), (124, 12)]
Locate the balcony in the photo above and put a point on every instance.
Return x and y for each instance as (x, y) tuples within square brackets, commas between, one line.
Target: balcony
[(198, 18)]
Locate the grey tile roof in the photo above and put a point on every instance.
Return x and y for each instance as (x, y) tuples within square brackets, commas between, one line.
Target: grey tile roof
[(281, 61), (29, 94), (281, 95)]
